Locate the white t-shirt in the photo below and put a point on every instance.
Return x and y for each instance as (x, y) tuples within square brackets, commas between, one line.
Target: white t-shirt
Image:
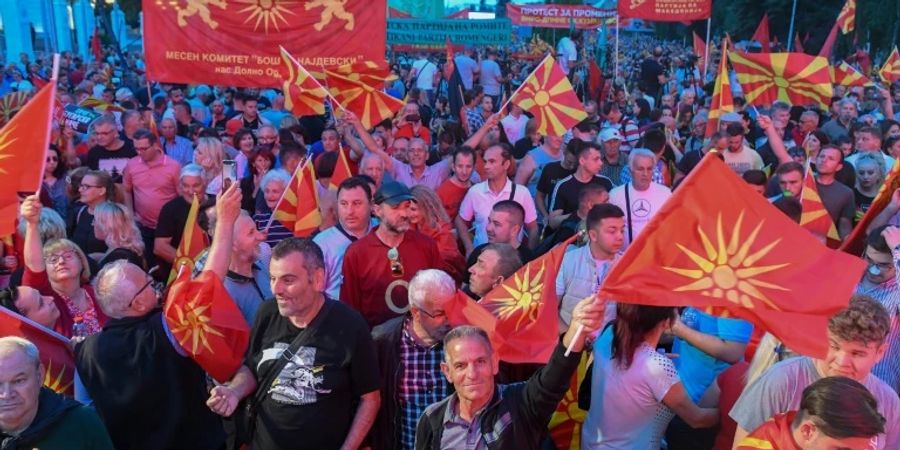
[(514, 128), (490, 71), (627, 409), (476, 206), (424, 76), (565, 52), (746, 159), (644, 205)]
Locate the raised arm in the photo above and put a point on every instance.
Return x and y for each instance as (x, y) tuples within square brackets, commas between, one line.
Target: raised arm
[(476, 138), (775, 140), (368, 141), (31, 212), (728, 351), (885, 215), (228, 207)]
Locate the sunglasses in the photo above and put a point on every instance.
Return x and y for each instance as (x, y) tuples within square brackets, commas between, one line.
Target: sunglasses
[(151, 283), (396, 266)]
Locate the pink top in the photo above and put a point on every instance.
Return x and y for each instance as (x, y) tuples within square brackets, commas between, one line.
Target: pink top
[(153, 185)]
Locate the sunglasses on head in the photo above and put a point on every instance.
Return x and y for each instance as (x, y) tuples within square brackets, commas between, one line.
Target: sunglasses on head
[(396, 266)]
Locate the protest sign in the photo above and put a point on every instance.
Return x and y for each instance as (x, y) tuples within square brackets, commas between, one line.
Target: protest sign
[(79, 118), (460, 32), (558, 16)]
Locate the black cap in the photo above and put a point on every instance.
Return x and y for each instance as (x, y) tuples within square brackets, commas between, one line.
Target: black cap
[(393, 193)]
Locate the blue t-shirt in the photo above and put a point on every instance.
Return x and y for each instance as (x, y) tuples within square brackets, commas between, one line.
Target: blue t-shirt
[(697, 369)]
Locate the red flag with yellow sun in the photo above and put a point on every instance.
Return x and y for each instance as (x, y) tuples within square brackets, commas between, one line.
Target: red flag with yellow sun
[(370, 103), (890, 71), (847, 17), (298, 209), (722, 99), (548, 95), (566, 422), (815, 217), (844, 74), (207, 323), (55, 351), (733, 250), (795, 78), (303, 95), (193, 242)]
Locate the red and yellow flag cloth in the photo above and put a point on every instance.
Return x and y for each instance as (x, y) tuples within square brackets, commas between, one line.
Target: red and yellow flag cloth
[(855, 243), (193, 242), (298, 209), (762, 35), (795, 78), (522, 311), (566, 422), (815, 217), (722, 99), (341, 170), (55, 351), (847, 17), (303, 95), (371, 73), (773, 434), (890, 71), (207, 323), (370, 103), (700, 51), (10, 104), (100, 105), (733, 250), (23, 146), (548, 95), (844, 74)]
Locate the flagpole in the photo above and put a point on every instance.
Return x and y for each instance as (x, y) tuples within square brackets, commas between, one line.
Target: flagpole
[(706, 56), (506, 103), (790, 42), (53, 77), (616, 55), (290, 182)]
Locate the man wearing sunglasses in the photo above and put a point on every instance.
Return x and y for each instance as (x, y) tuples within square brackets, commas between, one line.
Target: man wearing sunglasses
[(145, 388)]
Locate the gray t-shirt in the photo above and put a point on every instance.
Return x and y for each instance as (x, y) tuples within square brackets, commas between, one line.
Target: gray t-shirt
[(780, 389), (838, 200), (490, 71)]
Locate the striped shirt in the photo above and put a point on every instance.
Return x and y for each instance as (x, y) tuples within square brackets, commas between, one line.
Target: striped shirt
[(888, 294), (421, 383)]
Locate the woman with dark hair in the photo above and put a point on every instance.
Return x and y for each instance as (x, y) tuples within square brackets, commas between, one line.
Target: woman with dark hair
[(245, 143), (262, 160), (890, 128), (55, 180), (635, 391), (641, 112)]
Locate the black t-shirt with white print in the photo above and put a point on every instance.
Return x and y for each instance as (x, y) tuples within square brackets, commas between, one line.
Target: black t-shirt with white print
[(312, 400)]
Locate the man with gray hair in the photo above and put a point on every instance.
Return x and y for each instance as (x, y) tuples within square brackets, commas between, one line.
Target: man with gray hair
[(32, 416), (149, 394), (111, 152), (640, 198), (840, 125), (173, 215), (179, 148), (410, 351)]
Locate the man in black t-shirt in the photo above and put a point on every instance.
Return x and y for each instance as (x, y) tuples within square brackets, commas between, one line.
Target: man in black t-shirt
[(313, 358), (653, 75), (173, 215), (565, 194), (111, 152), (554, 172)]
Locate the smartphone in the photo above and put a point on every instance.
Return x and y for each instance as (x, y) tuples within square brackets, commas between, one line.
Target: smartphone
[(412, 118), (229, 173)]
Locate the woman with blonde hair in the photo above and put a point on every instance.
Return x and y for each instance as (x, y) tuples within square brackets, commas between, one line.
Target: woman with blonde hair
[(871, 171), (114, 224), (60, 270), (209, 155), (429, 218)]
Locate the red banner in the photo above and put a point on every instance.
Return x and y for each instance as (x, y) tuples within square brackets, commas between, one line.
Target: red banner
[(236, 43), (558, 16), (666, 10)]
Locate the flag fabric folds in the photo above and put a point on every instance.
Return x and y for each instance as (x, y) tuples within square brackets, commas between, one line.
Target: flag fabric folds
[(100, 105), (815, 217), (762, 35), (298, 209), (10, 104), (303, 95), (55, 353), (828, 46), (722, 99), (369, 72), (371, 104), (23, 143), (548, 94), (455, 86), (855, 243), (847, 17), (794, 78), (890, 71), (522, 311), (193, 242), (798, 45), (700, 52), (566, 422), (844, 74), (732, 250), (207, 323), (341, 170)]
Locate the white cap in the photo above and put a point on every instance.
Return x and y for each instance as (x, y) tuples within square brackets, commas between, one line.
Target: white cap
[(609, 134)]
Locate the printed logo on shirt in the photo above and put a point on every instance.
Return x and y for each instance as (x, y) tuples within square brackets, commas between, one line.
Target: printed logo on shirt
[(640, 208), (300, 382), (389, 296)]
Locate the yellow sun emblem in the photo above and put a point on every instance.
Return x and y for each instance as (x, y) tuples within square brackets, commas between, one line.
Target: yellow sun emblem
[(267, 12), (525, 297), (192, 323), (5, 144), (58, 381), (729, 270)]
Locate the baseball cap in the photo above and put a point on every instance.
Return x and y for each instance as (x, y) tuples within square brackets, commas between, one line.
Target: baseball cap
[(731, 117), (393, 193), (609, 134)]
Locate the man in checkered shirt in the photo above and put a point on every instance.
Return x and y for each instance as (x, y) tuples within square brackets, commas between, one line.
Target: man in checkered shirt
[(410, 350)]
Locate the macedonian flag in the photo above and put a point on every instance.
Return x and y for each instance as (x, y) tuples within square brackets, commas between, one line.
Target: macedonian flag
[(847, 17), (370, 73), (731, 249), (844, 74), (815, 217), (566, 422), (55, 350), (303, 95), (722, 99), (193, 242), (890, 71), (795, 78), (207, 323), (298, 209), (548, 95), (370, 103), (341, 170)]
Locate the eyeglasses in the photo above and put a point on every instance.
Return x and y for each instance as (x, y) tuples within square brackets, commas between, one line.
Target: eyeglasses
[(151, 283), (437, 315), (87, 186), (56, 259), (882, 266), (396, 266)]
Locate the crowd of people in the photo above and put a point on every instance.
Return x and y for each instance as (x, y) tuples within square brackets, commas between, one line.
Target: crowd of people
[(351, 345)]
